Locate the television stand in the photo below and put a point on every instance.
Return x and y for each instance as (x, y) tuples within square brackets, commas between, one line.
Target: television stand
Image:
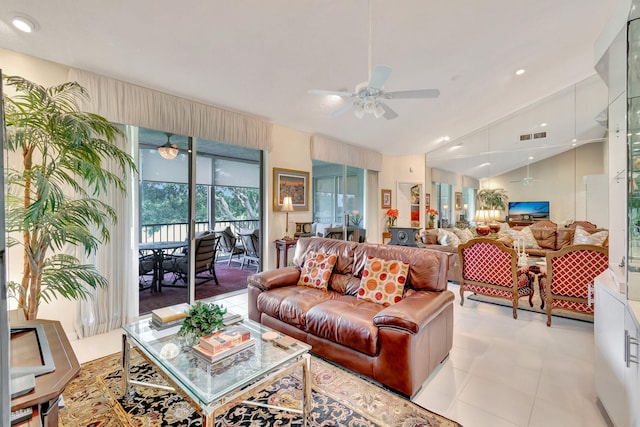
[(48, 387)]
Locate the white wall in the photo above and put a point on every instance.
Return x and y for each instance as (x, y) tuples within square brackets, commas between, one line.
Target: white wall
[(560, 182)]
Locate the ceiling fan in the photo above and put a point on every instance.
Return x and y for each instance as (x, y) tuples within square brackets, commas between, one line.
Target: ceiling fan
[(370, 94), (527, 180)]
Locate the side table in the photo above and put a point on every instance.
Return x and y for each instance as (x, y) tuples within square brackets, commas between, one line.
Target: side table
[(284, 245)]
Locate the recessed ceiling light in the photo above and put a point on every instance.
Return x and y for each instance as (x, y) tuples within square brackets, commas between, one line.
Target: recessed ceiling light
[(574, 140), (484, 164), (445, 138), (455, 147), (573, 145), (530, 157), (24, 24), (543, 124), (520, 72)]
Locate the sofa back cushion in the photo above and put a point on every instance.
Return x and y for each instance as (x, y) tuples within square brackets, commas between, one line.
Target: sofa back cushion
[(545, 236), (427, 268)]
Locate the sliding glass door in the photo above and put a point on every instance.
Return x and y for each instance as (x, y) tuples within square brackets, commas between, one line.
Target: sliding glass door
[(188, 189)]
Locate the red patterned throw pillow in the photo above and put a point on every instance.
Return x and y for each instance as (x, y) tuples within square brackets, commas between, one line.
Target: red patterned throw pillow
[(316, 270), (383, 280)]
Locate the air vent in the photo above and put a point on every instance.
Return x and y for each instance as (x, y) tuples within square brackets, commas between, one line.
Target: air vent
[(526, 137), (539, 135)]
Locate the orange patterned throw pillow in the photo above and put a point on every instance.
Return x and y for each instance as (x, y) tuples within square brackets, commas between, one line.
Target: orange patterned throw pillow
[(383, 280), (316, 270)]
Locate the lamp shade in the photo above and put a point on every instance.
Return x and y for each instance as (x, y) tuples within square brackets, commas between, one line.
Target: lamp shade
[(287, 204), (483, 215)]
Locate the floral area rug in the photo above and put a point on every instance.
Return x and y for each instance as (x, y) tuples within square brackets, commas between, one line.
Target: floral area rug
[(340, 398)]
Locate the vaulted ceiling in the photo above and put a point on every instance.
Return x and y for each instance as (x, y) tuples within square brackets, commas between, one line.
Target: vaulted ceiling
[(261, 57)]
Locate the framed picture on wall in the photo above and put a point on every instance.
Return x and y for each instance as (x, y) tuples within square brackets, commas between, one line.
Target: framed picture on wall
[(458, 201), (293, 183), (386, 199), (427, 201)]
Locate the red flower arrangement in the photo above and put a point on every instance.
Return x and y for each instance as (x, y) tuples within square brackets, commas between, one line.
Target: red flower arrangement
[(432, 214), (392, 215)]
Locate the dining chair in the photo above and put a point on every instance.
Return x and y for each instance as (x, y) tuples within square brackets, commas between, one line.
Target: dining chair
[(228, 244), (251, 243), (490, 268), (568, 283), (206, 247)]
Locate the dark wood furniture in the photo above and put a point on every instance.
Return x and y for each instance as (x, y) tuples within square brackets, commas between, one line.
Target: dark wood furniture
[(283, 245), (44, 398)]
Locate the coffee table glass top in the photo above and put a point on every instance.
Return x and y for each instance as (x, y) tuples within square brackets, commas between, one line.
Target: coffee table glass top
[(209, 382)]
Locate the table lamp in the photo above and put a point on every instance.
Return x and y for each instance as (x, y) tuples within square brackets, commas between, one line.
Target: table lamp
[(482, 217), (287, 206)]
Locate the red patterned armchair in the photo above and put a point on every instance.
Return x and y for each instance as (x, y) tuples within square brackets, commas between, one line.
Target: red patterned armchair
[(569, 280), (490, 268)]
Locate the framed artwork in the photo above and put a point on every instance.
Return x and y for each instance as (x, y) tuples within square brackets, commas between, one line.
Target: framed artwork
[(427, 201), (386, 199), (289, 182), (458, 201)]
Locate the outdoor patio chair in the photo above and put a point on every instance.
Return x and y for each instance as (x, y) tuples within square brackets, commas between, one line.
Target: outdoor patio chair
[(490, 268), (206, 247), (568, 283), (146, 267), (251, 242), (228, 244)]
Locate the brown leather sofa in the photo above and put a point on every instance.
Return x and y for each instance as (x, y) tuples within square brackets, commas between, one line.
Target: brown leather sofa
[(399, 345)]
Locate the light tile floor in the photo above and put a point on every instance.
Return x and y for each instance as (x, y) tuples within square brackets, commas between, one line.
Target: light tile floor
[(500, 372)]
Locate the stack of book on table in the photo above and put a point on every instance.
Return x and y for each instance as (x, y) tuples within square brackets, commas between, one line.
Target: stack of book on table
[(231, 318), (166, 317), (223, 343)]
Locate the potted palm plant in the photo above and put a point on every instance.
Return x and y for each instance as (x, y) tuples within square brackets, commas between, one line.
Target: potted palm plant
[(53, 193), (493, 198)]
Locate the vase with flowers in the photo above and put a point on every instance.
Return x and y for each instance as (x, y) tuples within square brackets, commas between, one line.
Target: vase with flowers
[(392, 216), (432, 213)]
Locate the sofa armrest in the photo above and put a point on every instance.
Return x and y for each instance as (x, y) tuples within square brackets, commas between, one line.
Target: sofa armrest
[(275, 278), (414, 311)]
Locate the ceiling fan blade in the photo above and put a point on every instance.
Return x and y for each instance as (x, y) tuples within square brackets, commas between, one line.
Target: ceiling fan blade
[(389, 114), (342, 110), (379, 75), (331, 92), (408, 94)]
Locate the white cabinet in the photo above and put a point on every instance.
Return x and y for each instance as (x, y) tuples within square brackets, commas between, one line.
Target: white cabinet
[(617, 377)]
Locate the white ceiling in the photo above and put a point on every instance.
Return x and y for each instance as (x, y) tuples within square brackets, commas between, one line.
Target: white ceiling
[(261, 57)]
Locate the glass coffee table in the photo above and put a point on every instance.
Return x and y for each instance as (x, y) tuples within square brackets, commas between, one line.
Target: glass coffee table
[(212, 385)]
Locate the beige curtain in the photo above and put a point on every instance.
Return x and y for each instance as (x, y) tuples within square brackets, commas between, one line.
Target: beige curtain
[(333, 151), (129, 104)]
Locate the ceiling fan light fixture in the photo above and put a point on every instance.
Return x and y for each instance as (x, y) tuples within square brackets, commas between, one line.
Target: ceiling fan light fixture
[(378, 111), (168, 151), (359, 111)]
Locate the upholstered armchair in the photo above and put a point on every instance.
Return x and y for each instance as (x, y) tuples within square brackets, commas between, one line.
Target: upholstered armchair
[(569, 280), (490, 268)]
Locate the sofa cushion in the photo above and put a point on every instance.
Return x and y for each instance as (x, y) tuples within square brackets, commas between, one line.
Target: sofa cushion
[(383, 281), (545, 236), (429, 236), (464, 234), (584, 237), (317, 269), (525, 235), (291, 303), (348, 321), (447, 238)]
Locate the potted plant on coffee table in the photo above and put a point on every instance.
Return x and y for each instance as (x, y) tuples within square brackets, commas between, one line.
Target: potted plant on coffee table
[(202, 320), (61, 160)]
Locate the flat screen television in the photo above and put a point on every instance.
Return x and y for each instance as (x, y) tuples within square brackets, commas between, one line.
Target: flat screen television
[(528, 210)]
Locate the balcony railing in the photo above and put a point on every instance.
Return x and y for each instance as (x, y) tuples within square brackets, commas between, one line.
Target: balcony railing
[(150, 233)]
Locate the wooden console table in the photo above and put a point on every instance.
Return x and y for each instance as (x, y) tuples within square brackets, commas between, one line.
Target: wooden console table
[(284, 245), (49, 387)]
